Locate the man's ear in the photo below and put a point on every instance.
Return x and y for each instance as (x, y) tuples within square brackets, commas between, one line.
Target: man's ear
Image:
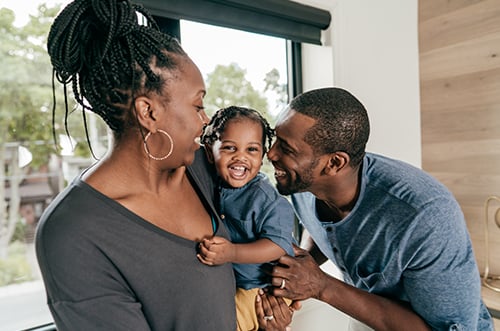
[(145, 113), (336, 162), (209, 153)]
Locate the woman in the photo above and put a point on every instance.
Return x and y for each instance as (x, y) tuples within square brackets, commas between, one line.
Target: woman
[(117, 248)]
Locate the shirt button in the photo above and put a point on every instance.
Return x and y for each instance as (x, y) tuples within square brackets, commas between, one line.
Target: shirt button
[(329, 229), (335, 250), (222, 216)]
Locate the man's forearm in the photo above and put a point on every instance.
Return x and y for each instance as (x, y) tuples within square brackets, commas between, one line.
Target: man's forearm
[(377, 312)]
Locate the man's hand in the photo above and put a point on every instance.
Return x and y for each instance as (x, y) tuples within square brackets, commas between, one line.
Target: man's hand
[(299, 277)]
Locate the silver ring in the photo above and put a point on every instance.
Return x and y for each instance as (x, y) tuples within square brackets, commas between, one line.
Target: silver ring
[(268, 318), (283, 283)]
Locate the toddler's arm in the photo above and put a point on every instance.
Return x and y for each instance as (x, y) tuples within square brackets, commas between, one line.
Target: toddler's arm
[(219, 250)]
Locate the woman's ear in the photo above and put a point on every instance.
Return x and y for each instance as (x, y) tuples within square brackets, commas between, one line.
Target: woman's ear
[(145, 112)]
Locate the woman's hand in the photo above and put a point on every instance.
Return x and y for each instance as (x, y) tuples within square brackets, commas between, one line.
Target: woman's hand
[(273, 313)]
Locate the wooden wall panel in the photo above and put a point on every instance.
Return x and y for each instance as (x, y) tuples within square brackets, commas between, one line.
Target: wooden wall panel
[(459, 44), (471, 56), (479, 156), (467, 20), (462, 92), (453, 127), (434, 8)]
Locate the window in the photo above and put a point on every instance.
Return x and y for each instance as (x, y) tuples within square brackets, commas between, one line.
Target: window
[(256, 67), (248, 57)]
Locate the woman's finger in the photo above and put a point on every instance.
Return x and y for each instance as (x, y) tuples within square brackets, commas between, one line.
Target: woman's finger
[(261, 306)]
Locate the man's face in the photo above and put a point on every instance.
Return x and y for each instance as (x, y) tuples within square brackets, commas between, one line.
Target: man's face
[(293, 159)]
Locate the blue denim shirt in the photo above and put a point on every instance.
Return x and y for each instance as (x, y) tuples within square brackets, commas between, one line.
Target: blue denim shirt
[(405, 239), (252, 212)]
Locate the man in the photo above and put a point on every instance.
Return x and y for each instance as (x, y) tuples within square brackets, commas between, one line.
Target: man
[(398, 236)]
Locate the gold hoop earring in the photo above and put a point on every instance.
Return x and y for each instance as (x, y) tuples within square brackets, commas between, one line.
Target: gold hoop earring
[(161, 157)]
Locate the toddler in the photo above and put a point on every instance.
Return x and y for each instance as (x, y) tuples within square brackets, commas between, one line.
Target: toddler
[(260, 221)]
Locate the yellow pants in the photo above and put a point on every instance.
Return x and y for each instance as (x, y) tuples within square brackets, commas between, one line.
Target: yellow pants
[(246, 317)]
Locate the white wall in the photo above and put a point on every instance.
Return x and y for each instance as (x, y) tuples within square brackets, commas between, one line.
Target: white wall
[(371, 49)]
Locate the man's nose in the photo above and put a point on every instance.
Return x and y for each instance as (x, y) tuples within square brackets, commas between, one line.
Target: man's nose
[(271, 153)]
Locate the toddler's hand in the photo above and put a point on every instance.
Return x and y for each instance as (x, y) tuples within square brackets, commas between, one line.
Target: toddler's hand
[(215, 251)]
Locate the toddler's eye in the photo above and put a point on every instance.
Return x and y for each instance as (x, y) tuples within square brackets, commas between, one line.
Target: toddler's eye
[(253, 149)]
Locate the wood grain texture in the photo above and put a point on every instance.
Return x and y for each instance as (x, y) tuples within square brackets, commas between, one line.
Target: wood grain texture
[(437, 8), (462, 93), (457, 21), (466, 57)]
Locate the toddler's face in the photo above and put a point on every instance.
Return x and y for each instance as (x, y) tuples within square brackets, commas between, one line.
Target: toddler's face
[(239, 152)]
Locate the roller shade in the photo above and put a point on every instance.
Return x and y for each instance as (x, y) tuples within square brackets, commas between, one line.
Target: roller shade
[(278, 18)]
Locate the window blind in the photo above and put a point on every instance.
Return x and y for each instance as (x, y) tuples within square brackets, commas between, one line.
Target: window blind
[(278, 18)]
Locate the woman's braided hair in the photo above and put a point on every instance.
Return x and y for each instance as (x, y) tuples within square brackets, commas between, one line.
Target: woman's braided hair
[(217, 125), (101, 49)]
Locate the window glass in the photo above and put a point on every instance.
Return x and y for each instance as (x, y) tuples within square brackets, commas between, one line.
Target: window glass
[(239, 68), (31, 170)]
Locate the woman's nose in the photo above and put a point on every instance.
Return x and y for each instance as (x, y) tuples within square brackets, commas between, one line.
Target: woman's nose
[(203, 117)]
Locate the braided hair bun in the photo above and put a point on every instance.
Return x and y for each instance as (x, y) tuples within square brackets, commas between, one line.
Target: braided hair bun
[(106, 54)]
